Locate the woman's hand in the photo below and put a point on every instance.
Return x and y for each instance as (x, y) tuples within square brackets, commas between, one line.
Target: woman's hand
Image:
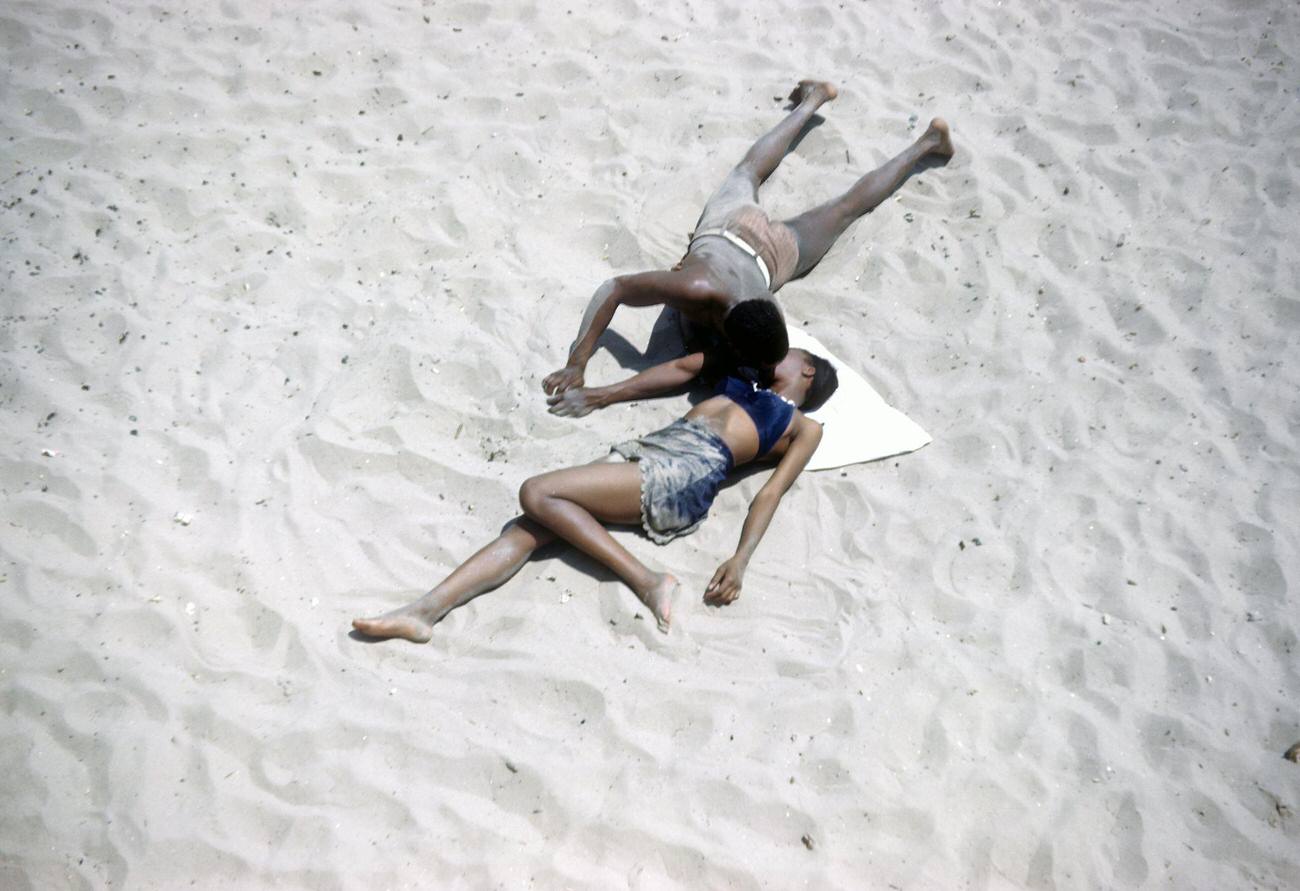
[(574, 403), (726, 583)]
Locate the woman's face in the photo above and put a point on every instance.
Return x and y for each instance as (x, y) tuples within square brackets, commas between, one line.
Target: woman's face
[(792, 376)]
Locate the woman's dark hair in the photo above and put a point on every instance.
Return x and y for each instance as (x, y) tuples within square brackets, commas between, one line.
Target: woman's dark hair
[(756, 332), (824, 383)]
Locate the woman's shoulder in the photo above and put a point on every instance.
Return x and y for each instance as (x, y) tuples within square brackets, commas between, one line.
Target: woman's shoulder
[(803, 429)]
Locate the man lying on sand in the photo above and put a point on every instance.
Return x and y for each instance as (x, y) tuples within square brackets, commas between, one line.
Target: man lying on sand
[(669, 487), (738, 258)]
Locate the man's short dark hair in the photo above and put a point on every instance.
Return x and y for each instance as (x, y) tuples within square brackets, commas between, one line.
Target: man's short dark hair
[(824, 383), (756, 332)]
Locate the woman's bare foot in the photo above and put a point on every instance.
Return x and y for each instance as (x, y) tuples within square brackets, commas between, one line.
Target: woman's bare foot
[(823, 90), (412, 622), (659, 598), (938, 129)]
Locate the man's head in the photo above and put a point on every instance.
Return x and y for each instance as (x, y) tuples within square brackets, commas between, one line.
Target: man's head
[(756, 331), (806, 379)]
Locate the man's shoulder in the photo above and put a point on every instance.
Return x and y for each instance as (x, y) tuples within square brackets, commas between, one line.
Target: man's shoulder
[(698, 285), (691, 287)]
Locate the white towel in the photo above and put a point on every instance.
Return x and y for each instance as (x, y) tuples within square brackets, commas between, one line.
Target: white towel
[(859, 426)]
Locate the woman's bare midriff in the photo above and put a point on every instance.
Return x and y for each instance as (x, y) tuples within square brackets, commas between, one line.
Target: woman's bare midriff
[(737, 430)]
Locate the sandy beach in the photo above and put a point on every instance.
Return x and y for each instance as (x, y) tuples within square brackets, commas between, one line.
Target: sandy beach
[(278, 286)]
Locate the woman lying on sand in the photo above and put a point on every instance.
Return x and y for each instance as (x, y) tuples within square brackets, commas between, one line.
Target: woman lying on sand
[(669, 487)]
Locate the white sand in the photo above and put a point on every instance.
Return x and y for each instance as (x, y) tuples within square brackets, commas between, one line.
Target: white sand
[(278, 292)]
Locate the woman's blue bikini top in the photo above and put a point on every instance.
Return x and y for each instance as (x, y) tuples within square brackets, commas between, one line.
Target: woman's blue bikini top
[(770, 413)]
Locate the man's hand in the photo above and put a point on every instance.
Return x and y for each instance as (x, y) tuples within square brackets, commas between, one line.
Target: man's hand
[(725, 586), (574, 403), (567, 378)]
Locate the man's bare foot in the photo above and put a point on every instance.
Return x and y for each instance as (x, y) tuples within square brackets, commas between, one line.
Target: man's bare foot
[(938, 130), (410, 623), (823, 90), (659, 598)]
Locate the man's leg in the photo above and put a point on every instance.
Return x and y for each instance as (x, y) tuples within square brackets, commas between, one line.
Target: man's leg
[(490, 568), (816, 230), (740, 188), (573, 502), (765, 155)]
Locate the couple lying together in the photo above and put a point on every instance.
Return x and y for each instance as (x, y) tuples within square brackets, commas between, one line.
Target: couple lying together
[(723, 291)]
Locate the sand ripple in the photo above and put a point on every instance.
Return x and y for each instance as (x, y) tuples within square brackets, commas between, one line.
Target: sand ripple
[(280, 284)]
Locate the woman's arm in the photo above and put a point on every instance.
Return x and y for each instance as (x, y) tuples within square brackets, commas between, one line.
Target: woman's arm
[(725, 586), (652, 382)]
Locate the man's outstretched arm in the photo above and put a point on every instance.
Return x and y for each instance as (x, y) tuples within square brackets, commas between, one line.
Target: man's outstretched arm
[(658, 379), (642, 289)]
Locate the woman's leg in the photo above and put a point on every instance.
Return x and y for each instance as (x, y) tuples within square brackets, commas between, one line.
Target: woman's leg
[(491, 567), (573, 503), (816, 230), (570, 503)]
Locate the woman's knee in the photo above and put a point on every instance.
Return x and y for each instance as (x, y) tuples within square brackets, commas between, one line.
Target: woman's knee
[(533, 495), (530, 495)]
